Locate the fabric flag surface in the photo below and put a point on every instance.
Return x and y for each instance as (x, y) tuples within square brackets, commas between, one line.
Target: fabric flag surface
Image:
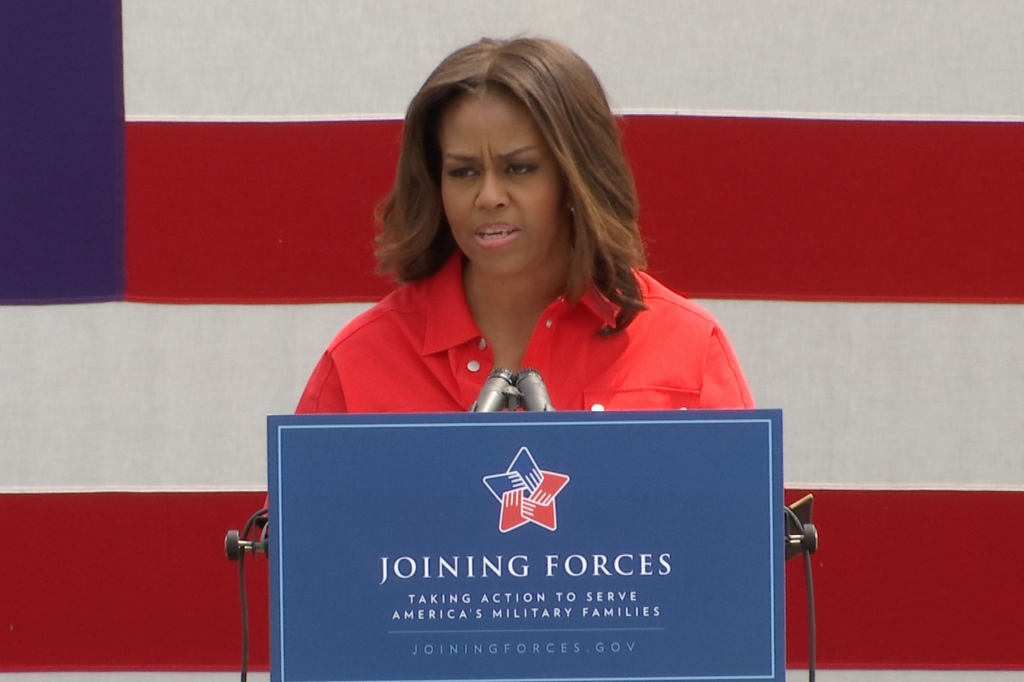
[(187, 192)]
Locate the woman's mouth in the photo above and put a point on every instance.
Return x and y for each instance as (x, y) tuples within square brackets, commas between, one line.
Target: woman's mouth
[(495, 235)]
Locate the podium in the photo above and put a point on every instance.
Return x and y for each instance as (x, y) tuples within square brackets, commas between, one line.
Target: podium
[(500, 547)]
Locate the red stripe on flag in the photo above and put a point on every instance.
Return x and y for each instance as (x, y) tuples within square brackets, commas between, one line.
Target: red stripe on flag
[(731, 207), (924, 579), (251, 212), (127, 581), (833, 210), (140, 582)]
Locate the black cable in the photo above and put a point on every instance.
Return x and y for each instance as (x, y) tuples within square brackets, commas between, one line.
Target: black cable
[(812, 628), (263, 535), (245, 617), (243, 597), (252, 522)]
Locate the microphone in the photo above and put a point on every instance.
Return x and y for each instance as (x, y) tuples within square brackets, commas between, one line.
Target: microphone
[(494, 396), (533, 393)]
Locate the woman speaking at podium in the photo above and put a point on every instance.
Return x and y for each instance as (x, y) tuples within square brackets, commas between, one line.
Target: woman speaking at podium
[(512, 229)]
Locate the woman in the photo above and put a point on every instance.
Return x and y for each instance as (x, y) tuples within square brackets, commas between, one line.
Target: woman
[(512, 226)]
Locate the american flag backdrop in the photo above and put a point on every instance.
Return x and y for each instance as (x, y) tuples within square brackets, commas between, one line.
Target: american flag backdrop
[(186, 200)]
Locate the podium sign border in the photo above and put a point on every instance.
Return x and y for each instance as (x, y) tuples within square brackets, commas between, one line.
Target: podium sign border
[(278, 425)]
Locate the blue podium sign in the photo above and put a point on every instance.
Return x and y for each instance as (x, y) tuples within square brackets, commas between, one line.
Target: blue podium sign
[(527, 546)]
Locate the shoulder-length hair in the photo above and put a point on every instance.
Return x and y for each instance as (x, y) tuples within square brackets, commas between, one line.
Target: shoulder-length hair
[(566, 99)]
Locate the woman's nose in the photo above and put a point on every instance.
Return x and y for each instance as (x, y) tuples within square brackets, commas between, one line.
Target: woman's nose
[(492, 191)]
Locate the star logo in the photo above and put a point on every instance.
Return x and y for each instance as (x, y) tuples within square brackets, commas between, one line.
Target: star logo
[(527, 493)]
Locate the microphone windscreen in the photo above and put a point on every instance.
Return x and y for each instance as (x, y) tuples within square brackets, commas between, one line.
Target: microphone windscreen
[(535, 396), (494, 394)]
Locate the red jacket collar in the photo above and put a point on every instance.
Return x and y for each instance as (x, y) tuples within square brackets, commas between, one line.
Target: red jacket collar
[(449, 322)]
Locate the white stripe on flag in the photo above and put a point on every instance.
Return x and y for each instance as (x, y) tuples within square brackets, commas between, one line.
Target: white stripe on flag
[(125, 396), (908, 59)]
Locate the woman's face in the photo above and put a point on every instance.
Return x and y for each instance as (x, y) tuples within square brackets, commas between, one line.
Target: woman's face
[(503, 191)]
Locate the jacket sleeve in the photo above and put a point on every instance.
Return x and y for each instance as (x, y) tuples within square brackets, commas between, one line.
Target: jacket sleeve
[(724, 387), (323, 393)]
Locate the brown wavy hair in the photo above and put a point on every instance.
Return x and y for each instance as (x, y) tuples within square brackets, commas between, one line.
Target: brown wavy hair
[(566, 99)]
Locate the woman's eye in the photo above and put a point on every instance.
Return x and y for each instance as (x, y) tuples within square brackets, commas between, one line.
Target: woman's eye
[(463, 172), (521, 168)]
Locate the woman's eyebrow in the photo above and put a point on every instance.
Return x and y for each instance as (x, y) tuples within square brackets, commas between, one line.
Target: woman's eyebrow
[(515, 152), (467, 158)]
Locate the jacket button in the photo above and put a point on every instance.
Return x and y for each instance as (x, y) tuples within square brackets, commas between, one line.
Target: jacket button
[(597, 407), (473, 366)]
